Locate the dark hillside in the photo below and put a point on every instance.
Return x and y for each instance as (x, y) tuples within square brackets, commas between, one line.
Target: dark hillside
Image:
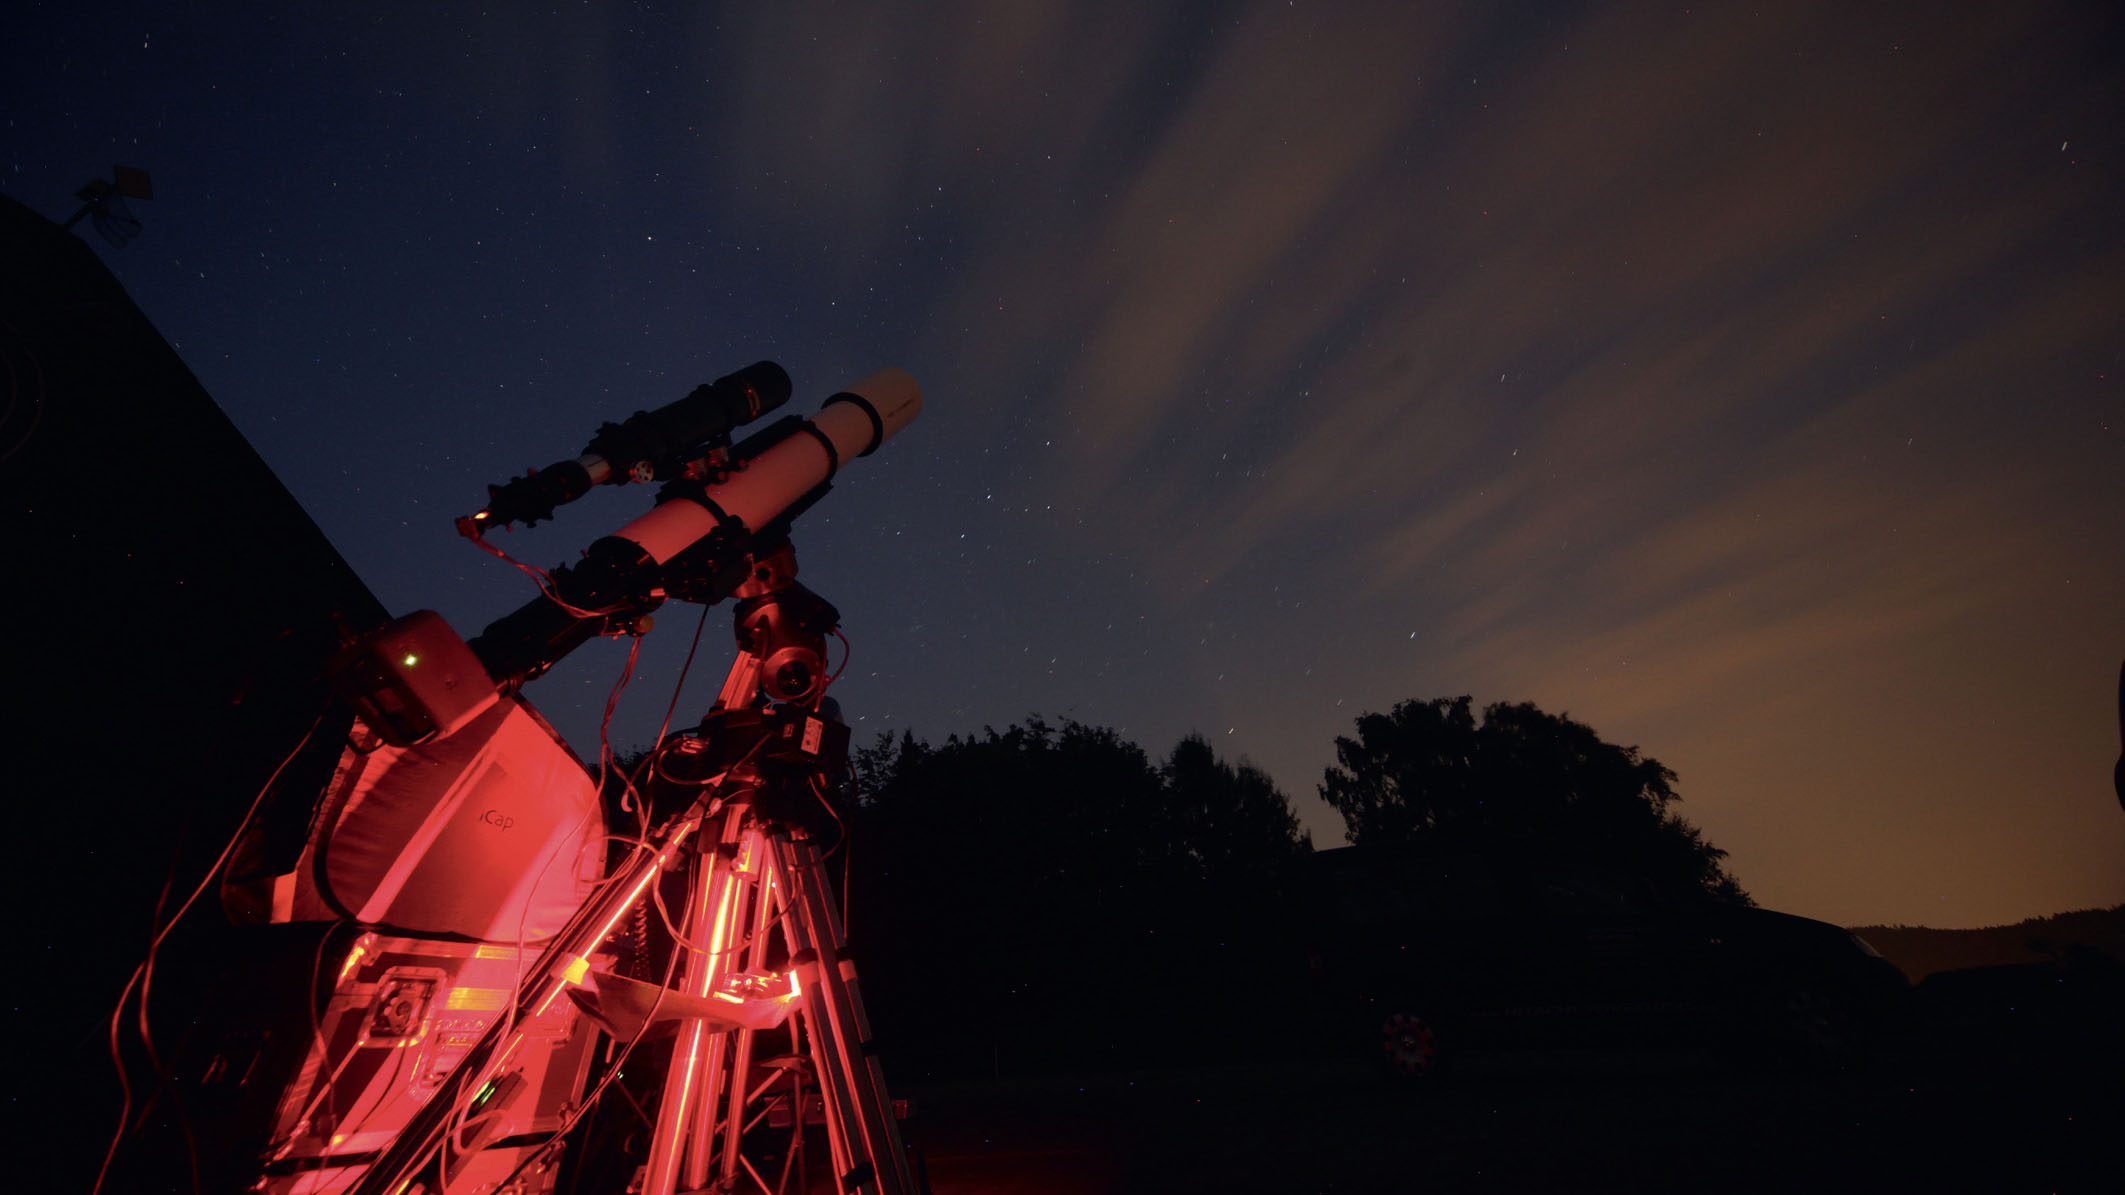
[(1920, 952)]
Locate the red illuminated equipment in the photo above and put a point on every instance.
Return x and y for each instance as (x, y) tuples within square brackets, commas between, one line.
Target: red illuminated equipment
[(500, 977), (649, 446), (400, 1019), (740, 797), (698, 542)]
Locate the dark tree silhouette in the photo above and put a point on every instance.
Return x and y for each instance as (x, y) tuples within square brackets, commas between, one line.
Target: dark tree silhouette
[(1018, 896), (1073, 816), (1234, 821), (1540, 796)]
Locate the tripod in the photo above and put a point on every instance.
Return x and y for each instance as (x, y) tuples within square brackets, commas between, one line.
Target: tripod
[(749, 778)]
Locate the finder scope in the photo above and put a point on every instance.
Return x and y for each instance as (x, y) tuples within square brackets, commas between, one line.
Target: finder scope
[(649, 446)]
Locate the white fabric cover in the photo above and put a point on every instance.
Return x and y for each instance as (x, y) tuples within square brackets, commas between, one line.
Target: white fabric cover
[(493, 832)]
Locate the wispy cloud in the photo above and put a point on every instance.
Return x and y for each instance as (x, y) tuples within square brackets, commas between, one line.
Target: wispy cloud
[(1696, 340)]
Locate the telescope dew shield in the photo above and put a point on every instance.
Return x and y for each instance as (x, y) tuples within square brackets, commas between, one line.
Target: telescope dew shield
[(852, 423)]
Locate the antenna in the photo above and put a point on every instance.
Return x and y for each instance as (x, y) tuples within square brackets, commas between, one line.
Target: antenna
[(103, 201)]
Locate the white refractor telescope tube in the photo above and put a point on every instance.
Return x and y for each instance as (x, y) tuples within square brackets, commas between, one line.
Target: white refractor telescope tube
[(855, 421)]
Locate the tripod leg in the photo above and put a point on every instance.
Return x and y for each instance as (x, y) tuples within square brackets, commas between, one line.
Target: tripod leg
[(859, 1112), (763, 894), (687, 1110)]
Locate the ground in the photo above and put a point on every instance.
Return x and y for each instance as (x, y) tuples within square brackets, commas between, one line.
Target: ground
[(1950, 1118)]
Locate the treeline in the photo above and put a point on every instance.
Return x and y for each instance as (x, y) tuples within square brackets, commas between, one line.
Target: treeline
[(1050, 897)]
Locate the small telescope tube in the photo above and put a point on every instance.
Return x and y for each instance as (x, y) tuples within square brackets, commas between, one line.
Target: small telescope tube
[(637, 450), (855, 421)]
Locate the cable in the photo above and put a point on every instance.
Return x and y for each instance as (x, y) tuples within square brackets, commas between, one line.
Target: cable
[(671, 967), (543, 579), (612, 702), (656, 891), (606, 761), (461, 1118), (317, 1037), (841, 843), (631, 799), (683, 670), (14, 389), (640, 842), (634, 797), (657, 763), (817, 787), (495, 1061), (672, 964), (147, 1040), (324, 1088), (144, 972), (846, 653), (382, 1091)]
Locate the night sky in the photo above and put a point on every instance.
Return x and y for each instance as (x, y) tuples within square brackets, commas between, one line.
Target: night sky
[(1745, 381)]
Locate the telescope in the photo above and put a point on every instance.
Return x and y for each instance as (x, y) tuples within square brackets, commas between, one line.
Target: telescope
[(718, 514), (470, 848), (650, 445), (417, 680)]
